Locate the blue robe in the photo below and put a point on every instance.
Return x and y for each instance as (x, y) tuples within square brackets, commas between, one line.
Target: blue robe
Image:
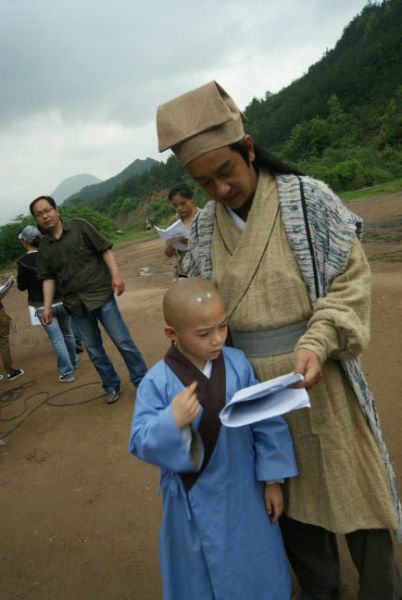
[(216, 541)]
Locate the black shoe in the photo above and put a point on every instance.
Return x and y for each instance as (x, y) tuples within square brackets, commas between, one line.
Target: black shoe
[(15, 374)]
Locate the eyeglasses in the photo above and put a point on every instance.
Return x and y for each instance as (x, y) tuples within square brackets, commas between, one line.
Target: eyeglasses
[(44, 212)]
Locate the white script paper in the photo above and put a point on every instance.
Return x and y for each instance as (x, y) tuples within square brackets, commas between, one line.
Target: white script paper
[(174, 233), (264, 401), (33, 316)]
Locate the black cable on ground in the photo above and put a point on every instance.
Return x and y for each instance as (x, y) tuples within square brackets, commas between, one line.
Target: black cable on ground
[(10, 396)]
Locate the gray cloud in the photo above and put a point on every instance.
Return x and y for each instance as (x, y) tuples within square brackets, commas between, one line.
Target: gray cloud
[(118, 59)]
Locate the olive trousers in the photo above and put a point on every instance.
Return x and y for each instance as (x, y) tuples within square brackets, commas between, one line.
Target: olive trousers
[(4, 342)]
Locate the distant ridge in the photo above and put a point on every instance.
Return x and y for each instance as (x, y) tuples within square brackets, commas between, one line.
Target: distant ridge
[(71, 185), (92, 193)]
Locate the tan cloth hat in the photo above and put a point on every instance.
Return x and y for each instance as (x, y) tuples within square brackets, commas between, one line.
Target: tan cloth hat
[(200, 121)]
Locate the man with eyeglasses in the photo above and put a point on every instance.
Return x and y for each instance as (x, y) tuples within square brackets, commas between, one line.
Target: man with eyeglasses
[(81, 259)]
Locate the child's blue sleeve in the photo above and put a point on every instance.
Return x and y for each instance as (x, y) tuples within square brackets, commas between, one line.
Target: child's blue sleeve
[(154, 435), (274, 450)]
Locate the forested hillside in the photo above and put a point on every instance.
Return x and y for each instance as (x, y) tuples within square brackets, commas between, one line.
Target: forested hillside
[(342, 121), (363, 71)]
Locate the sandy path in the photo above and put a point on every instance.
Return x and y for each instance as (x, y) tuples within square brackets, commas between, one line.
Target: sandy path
[(79, 515)]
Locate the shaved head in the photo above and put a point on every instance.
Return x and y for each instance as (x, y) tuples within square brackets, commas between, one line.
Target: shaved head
[(186, 296)]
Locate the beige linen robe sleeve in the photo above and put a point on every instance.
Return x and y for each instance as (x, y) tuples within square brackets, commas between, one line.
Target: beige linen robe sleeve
[(340, 324)]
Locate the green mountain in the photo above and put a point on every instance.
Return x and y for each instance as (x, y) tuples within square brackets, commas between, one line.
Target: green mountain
[(93, 193)]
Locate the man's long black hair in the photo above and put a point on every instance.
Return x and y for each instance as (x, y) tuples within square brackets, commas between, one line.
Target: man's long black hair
[(263, 159)]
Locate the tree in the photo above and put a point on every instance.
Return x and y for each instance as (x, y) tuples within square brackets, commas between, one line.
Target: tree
[(10, 245), (390, 133), (102, 223), (308, 139)]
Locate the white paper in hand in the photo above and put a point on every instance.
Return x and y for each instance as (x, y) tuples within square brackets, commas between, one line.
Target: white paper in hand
[(173, 234), (264, 401)]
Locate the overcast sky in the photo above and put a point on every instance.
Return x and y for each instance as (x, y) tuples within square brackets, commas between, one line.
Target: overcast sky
[(80, 80)]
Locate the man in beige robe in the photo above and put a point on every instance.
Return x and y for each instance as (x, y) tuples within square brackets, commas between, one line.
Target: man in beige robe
[(242, 243)]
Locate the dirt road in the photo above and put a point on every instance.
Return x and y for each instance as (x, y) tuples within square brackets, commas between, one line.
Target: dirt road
[(79, 515)]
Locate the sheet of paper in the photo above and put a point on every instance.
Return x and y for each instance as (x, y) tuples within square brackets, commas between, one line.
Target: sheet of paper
[(175, 231), (32, 315), (264, 401)]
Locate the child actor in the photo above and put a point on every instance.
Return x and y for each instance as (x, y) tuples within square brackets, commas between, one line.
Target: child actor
[(218, 484)]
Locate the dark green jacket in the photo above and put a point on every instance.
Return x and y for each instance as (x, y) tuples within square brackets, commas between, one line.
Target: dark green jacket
[(76, 261)]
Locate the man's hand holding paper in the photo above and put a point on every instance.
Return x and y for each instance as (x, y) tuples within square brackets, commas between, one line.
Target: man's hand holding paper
[(264, 401)]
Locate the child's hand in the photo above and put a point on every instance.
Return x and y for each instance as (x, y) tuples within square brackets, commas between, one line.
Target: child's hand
[(185, 406), (273, 498)]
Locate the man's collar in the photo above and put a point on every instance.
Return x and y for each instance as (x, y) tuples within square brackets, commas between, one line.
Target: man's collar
[(65, 227)]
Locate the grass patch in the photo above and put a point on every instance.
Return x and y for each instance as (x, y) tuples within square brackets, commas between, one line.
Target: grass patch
[(132, 235), (376, 190)]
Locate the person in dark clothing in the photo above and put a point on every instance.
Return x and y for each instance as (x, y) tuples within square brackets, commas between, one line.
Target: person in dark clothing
[(60, 331)]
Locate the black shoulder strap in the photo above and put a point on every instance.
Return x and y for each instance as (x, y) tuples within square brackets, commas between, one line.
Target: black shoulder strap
[(309, 239)]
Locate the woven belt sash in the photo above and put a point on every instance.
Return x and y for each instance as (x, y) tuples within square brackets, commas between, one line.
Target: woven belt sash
[(270, 342)]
